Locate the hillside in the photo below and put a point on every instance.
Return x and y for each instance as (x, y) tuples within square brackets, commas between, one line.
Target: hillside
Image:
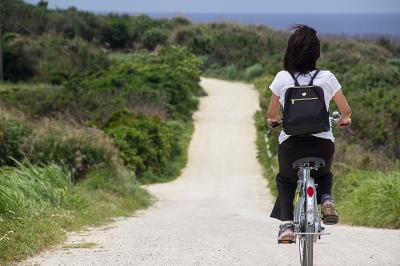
[(93, 106)]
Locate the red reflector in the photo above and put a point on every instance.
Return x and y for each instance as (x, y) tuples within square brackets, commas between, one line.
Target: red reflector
[(310, 191)]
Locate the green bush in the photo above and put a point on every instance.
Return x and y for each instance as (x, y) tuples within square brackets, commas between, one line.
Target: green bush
[(49, 58), (254, 71), (117, 33), (20, 17), (71, 23), (153, 37), (168, 82), (12, 132), (36, 100), (145, 143)]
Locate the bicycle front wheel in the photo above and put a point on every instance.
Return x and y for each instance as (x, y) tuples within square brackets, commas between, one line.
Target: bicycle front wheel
[(306, 247)]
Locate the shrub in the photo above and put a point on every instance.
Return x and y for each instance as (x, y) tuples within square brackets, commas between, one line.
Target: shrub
[(79, 148), (254, 71), (117, 33), (50, 58), (232, 72), (145, 143), (170, 77), (153, 37), (12, 132), (36, 100), (71, 23)]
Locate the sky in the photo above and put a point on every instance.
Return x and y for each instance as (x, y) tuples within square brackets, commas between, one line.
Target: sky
[(231, 6)]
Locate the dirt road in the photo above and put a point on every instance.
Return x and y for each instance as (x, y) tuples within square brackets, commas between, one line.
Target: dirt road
[(216, 213)]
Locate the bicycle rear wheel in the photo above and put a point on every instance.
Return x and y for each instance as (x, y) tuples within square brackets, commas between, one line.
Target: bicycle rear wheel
[(306, 247)]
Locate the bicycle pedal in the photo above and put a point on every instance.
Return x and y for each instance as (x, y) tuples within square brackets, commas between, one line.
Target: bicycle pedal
[(286, 241), (330, 219)]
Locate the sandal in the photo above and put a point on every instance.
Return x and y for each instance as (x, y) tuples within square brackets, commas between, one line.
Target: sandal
[(329, 213)]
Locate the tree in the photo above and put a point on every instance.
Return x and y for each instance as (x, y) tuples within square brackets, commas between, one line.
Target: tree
[(43, 4)]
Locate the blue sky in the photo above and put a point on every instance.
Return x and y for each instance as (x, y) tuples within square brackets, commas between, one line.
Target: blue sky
[(232, 6)]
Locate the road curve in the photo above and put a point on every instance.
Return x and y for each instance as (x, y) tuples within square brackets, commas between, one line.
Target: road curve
[(216, 213)]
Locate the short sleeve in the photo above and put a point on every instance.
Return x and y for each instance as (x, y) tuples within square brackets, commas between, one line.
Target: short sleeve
[(277, 84), (333, 84)]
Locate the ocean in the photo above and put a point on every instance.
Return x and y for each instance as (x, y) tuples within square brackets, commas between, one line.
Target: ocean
[(354, 25)]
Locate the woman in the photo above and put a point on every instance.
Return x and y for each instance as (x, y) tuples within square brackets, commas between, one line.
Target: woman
[(302, 53)]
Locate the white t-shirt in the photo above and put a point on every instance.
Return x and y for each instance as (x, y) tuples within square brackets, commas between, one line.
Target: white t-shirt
[(325, 79)]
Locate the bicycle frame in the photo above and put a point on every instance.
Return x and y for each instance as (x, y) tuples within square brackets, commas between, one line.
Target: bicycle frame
[(306, 207), (306, 218)]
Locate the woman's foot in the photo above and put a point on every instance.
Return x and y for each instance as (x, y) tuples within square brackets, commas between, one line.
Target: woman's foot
[(286, 233), (329, 212)]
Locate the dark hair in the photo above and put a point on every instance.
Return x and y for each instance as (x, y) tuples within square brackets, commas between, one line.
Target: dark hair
[(303, 50)]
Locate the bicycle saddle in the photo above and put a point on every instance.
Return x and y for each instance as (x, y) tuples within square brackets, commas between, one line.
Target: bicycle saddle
[(312, 161)]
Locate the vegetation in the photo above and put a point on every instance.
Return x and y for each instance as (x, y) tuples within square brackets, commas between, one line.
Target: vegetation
[(87, 116), (37, 203)]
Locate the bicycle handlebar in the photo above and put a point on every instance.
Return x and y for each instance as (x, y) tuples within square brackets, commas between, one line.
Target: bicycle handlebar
[(334, 117)]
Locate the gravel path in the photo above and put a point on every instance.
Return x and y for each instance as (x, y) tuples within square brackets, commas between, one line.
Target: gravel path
[(216, 213)]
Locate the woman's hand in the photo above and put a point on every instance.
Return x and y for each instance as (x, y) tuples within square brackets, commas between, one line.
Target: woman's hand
[(272, 122), (344, 122)]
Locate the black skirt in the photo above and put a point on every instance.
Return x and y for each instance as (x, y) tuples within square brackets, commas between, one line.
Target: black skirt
[(292, 149)]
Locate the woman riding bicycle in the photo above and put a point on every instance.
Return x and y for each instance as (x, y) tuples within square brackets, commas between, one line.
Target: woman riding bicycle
[(302, 53)]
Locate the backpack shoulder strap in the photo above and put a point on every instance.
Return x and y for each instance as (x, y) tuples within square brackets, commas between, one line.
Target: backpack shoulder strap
[(296, 83), (313, 77)]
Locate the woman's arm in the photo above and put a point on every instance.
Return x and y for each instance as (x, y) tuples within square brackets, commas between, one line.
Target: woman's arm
[(344, 109), (273, 110)]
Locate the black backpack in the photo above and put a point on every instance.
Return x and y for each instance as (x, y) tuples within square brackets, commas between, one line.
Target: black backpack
[(305, 110)]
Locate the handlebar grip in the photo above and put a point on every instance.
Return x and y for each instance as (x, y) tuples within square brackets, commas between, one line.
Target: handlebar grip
[(275, 124), (345, 125)]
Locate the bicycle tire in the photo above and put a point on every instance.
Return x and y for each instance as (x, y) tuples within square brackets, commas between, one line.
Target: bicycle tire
[(306, 247)]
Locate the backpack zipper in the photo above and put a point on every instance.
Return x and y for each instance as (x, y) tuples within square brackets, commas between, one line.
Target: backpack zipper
[(303, 99)]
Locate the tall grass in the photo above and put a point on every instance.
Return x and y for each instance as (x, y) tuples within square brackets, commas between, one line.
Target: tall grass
[(39, 203), (369, 198), (28, 188)]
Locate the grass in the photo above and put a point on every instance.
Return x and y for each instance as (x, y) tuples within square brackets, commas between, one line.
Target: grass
[(369, 198), (264, 154), (49, 205)]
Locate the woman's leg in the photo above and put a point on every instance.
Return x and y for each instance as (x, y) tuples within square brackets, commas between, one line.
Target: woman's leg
[(323, 177), (286, 182)]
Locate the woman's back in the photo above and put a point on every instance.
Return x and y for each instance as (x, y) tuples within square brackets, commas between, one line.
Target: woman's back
[(325, 79)]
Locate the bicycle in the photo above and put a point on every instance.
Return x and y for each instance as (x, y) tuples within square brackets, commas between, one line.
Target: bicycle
[(307, 218)]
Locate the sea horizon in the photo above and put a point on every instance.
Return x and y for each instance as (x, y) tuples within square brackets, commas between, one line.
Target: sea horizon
[(355, 25)]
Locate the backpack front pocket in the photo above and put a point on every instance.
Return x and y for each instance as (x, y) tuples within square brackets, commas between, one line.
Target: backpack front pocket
[(303, 99)]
